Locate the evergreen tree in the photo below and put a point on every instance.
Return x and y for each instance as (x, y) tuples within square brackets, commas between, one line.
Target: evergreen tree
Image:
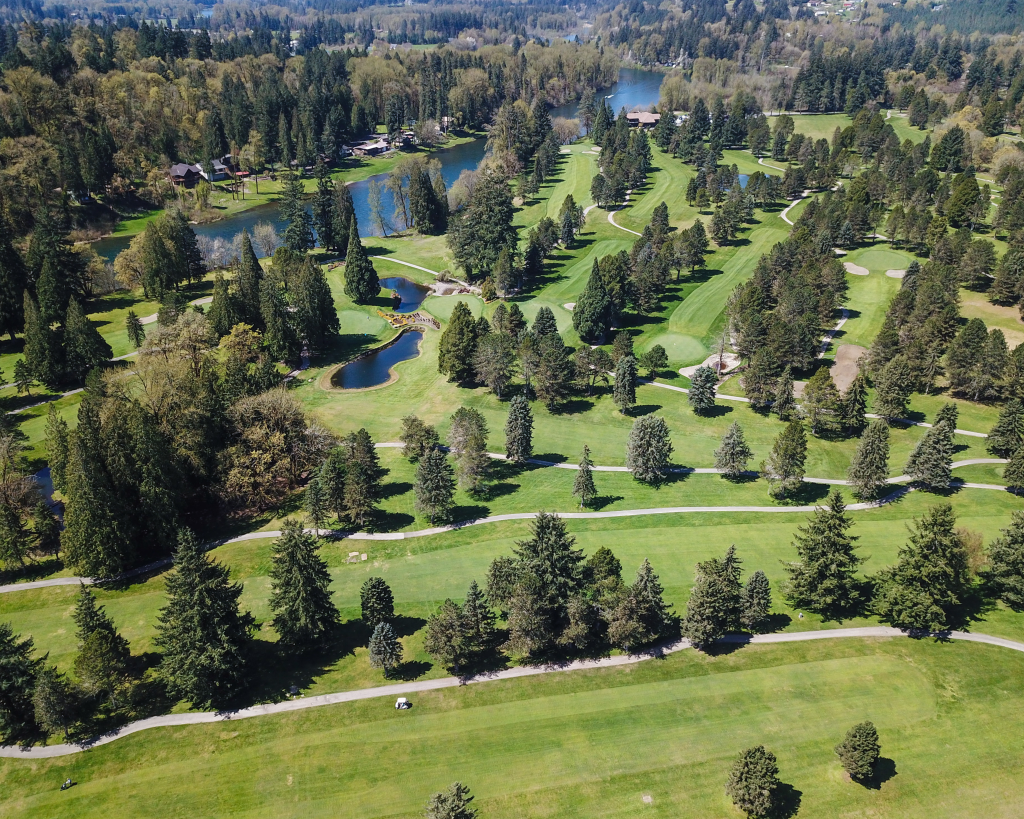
[(624, 390), (550, 558), (417, 438), (101, 665), (300, 597), (298, 236), (821, 403), (855, 404), (477, 619), (279, 336), (714, 607), (53, 701), (249, 284), (133, 326), (519, 430), (1006, 564), (823, 578), (652, 613), (202, 632), (784, 403), (892, 389), (869, 470), (1007, 436), (13, 282), (732, 456), (376, 602), (930, 580), (756, 602), (316, 503), (754, 783), (43, 354), (544, 324), (649, 449), (451, 804), (445, 638), (591, 316), (385, 649), (1013, 474), (18, 672), (583, 484), (435, 485), (458, 345), (859, 751), (323, 208), (784, 467), (760, 381), (316, 316), (361, 282), (84, 347), (931, 462), (362, 476), (343, 213), (702, 390)]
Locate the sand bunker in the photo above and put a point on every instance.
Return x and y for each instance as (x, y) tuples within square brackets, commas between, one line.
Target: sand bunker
[(730, 361), (569, 305), (845, 368), (855, 269), (895, 274)]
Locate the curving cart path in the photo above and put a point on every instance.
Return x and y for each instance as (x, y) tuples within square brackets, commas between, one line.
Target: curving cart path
[(401, 689), (898, 492)]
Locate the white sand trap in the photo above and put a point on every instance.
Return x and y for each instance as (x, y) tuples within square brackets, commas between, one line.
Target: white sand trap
[(839, 251), (730, 361), (798, 389), (856, 269), (569, 305), (895, 274)]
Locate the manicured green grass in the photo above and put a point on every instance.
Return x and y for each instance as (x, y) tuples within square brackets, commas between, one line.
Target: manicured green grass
[(817, 126), (879, 258), (904, 130), (867, 301), (589, 744)]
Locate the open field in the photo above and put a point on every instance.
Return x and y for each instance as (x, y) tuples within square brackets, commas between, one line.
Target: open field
[(590, 743)]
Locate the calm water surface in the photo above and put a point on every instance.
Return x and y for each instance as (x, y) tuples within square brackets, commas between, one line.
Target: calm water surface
[(375, 368)]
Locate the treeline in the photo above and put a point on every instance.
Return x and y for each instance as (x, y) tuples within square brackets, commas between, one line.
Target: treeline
[(90, 119)]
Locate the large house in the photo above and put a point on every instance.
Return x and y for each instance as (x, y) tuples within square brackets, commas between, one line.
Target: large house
[(644, 119), (185, 174)]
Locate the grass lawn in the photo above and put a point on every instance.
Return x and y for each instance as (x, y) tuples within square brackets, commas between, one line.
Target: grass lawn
[(904, 130), (817, 126), (867, 300), (976, 305), (589, 743), (879, 258)]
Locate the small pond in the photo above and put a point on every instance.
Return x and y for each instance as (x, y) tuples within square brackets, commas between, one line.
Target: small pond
[(412, 293), (375, 368)]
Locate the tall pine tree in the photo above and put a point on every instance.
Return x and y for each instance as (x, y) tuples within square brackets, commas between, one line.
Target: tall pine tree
[(300, 598), (361, 282), (519, 430), (202, 632)]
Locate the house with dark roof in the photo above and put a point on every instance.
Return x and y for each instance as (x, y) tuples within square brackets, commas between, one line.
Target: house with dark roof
[(184, 174)]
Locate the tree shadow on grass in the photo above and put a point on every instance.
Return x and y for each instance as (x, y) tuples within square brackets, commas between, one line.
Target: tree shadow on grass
[(885, 769), (598, 503), (643, 409), (392, 490), (501, 489), (787, 801), (409, 670), (32, 571), (717, 411), (808, 493), (573, 406), (776, 622), (390, 521), (466, 513)]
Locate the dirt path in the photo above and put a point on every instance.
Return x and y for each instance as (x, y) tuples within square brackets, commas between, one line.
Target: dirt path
[(403, 689)]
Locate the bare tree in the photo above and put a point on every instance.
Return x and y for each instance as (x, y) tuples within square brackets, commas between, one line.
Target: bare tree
[(265, 238)]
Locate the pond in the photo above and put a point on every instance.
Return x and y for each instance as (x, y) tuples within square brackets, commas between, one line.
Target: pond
[(412, 293), (375, 368)]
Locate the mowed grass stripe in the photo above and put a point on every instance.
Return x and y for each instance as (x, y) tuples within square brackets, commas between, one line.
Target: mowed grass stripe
[(587, 742)]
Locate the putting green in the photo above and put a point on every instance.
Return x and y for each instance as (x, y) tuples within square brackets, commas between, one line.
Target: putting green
[(878, 261)]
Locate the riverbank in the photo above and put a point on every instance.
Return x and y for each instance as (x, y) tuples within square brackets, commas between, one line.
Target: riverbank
[(223, 205)]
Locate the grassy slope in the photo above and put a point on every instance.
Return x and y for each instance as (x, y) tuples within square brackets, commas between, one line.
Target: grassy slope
[(589, 744)]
